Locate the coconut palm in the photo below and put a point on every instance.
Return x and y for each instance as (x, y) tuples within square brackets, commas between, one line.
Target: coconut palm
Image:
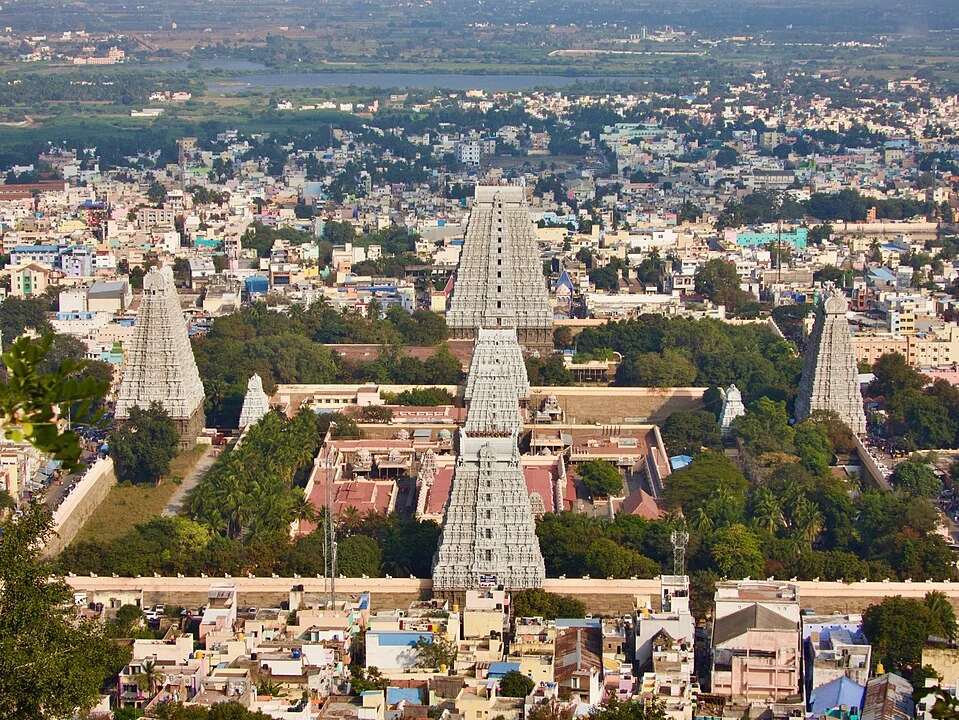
[(149, 677), (701, 520), (807, 521), (767, 515), (944, 613), (304, 510), (349, 520)]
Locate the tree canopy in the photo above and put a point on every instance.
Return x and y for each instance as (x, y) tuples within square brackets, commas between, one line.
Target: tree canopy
[(51, 662), (143, 446), (601, 478)]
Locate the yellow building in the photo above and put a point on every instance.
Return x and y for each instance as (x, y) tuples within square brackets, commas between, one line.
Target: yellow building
[(29, 280)]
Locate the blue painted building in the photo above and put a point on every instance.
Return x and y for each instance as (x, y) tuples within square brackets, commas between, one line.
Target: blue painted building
[(798, 238)]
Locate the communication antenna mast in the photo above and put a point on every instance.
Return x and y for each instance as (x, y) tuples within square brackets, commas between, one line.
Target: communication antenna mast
[(680, 539), (330, 524)]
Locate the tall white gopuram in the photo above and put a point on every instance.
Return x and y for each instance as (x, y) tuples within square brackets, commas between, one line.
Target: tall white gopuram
[(830, 377), (255, 402), (732, 408), (489, 535), (499, 281), (159, 364)]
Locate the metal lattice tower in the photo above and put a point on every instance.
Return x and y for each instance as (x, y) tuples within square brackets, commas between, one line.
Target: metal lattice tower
[(680, 539)]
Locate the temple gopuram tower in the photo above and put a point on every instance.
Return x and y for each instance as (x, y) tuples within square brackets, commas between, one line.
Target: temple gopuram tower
[(489, 535), (732, 408), (830, 377), (499, 281), (255, 402), (159, 364)]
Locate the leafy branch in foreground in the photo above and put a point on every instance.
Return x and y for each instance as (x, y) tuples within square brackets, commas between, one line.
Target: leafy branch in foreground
[(31, 401)]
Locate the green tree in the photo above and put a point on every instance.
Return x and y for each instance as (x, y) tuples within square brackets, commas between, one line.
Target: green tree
[(914, 476), (516, 684), (765, 428), (690, 487), (718, 280), (943, 614), (813, 447), (687, 432), (156, 193), (601, 478), (737, 553), (144, 445), (435, 652), (894, 375), (358, 555), (20, 314), (31, 401), (605, 558), (149, 678), (443, 368), (539, 603), (727, 157), (51, 662), (897, 629), (616, 709), (667, 369)]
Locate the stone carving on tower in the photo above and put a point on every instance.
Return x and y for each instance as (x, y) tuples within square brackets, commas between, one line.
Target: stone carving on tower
[(424, 480), (830, 377), (489, 535), (732, 408), (255, 404), (499, 281), (159, 364)]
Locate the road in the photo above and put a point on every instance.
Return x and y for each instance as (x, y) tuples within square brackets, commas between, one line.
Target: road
[(175, 504)]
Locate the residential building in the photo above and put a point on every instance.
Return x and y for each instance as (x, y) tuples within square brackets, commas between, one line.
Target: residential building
[(756, 653)]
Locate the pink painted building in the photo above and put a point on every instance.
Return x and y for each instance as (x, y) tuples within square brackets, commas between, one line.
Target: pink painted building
[(756, 643)]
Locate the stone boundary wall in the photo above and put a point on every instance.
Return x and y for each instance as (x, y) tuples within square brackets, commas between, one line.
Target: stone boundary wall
[(607, 597), (79, 505), (871, 467)]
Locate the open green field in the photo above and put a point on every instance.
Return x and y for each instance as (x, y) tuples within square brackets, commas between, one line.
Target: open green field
[(129, 505)]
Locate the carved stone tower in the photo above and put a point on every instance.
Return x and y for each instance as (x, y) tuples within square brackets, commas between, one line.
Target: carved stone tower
[(159, 365), (830, 377), (499, 281), (255, 403), (732, 408), (489, 536)]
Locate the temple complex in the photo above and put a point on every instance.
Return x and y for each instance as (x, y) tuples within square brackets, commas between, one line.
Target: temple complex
[(732, 408), (830, 377), (159, 365), (255, 403), (499, 281), (489, 537)]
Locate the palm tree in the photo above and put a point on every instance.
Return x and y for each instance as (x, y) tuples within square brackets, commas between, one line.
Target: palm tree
[(807, 521), (701, 520), (305, 511), (943, 611), (350, 520), (766, 512), (149, 677)]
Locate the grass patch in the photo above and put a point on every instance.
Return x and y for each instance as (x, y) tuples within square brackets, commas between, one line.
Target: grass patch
[(129, 505)]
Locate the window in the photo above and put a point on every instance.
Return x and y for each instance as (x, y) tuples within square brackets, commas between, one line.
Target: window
[(489, 533), (489, 555)]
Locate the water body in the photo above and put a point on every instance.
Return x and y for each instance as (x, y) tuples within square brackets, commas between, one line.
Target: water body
[(288, 81), (225, 65)]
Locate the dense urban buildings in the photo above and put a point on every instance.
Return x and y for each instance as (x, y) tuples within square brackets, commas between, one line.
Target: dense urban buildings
[(492, 404)]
